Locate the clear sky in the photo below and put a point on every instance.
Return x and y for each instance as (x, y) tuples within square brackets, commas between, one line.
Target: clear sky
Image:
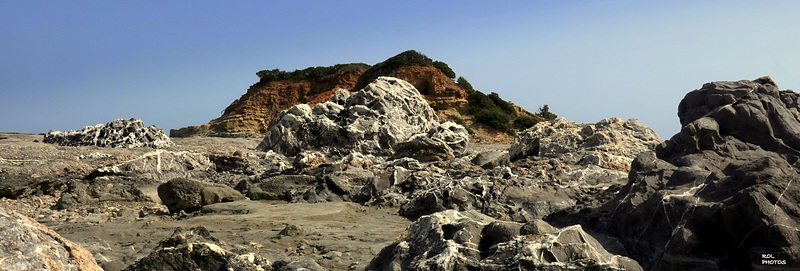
[(69, 64)]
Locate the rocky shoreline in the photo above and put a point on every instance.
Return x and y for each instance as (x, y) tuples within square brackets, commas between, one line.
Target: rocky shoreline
[(372, 180)]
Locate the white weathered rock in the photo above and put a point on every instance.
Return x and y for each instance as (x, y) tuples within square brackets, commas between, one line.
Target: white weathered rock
[(452, 240), (28, 245), (387, 117), (120, 133), (610, 143)]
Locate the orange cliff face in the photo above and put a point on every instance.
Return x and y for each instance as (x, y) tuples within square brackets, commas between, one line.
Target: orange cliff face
[(439, 90), (252, 114)]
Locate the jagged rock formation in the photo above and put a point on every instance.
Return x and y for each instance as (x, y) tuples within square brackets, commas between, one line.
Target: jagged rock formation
[(452, 240), (560, 165), (196, 249), (385, 118), (724, 191), (253, 113), (28, 245), (120, 133), (609, 143)]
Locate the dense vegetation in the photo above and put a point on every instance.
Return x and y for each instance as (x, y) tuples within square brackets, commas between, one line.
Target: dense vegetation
[(496, 113), (491, 110), (406, 58), (310, 73)]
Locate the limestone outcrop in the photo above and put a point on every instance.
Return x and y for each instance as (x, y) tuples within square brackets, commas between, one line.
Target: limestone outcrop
[(28, 245), (120, 133), (609, 143), (452, 240), (724, 191), (385, 118)]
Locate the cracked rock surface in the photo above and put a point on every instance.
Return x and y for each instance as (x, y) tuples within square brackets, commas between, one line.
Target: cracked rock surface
[(724, 191)]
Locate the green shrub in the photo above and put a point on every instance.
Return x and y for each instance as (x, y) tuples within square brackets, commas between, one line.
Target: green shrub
[(406, 58), (544, 112), (464, 84), (310, 73), (444, 68), (503, 104), (494, 118), (525, 122)]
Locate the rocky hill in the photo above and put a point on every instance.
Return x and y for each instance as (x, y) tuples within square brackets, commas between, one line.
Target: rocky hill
[(374, 180), (253, 113)]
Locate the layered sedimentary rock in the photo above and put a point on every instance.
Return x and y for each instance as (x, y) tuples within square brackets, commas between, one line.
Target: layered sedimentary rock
[(453, 240), (28, 245), (722, 193), (253, 113), (385, 118), (120, 133)]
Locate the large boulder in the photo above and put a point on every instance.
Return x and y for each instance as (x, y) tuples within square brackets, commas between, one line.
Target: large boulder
[(609, 143), (453, 240), (386, 117), (181, 194), (120, 133), (723, 193), (196, 249), (28, 245)]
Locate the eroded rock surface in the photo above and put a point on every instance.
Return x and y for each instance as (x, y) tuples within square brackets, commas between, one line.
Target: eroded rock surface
[(120, 133), (452, 240), (387, 117), (196, 249), (28, 245), (724, 191), (609, 143)]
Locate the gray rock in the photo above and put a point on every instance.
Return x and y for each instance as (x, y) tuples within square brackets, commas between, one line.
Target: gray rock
[(28, 245), (293, 230), (280, 187), (386, 117), (610, 143), (182, 194), (452, 240), (196, 249), (120, 133), (302, 264), (723, 191), (491, 159)]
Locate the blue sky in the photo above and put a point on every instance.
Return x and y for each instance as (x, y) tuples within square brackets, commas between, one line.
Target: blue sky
[(65, 65)]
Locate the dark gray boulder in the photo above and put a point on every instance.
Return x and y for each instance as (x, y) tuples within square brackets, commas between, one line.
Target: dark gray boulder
[(491, 159), (279, 187), (724, 191), (120, 133), (388, 116), (188, 195)]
